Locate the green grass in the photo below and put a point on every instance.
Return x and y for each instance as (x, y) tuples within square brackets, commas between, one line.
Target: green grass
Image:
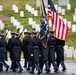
[(7, 11)]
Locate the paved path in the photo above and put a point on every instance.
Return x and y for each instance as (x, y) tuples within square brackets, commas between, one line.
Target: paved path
[(71, 70)]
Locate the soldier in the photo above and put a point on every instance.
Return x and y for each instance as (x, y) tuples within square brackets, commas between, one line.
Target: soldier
[(44, 50), (35, 52), (3, 52), (9, 43), (51, 47), (60, 53), (15, 47), (27, 46)]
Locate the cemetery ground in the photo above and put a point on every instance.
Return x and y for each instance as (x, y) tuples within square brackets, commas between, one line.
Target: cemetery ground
[(71, 70)]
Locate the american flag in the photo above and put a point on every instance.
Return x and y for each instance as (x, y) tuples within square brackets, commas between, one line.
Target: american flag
[(58, 26)]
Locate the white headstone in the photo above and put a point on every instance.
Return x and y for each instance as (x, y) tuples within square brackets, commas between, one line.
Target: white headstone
[(1, 8), (38, 3), (12, 19), (63, 2), (69, 54), (34, 24), (56, 6), (30, 21), (26, 6), (69, 24), (72, 48), (16, 9), (68, 6), (73, 28), (65, 50), (32, 10), (65, 21), (75, 10), (29, 8), (18, 25), (35, 13), (74, 18), (2, 26), (37, 27), (15, 22), (63, 11), (61, 17), (21, 13), (74, 54), (59, 9), (13, 7)]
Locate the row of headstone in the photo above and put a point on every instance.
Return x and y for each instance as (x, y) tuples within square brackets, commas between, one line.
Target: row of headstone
[(1, 25), (63, 3), (59, 9), (17, 24), (69, 52), (16, 10), (34, 24), (1, 8), (31, 10)]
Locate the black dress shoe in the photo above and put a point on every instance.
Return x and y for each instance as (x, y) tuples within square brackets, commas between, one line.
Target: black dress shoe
[(56, 70), (20, 70), (48, 71), (7, 68), (14, 70), (39, 72), (28, 69), (31, 72), (63, 69)]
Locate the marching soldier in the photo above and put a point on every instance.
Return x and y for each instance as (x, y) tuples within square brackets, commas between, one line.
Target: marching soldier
[(3, 52), (60, 53), (51, 47), (9, 43), (44, 50), (27, 47), (35, 52), (15, 47)]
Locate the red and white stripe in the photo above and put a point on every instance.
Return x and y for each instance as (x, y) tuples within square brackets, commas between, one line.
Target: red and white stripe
[(58, 26)]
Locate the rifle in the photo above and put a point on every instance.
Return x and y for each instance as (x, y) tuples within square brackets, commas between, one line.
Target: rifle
[(18, 30), (21, 33), (6, 34)]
